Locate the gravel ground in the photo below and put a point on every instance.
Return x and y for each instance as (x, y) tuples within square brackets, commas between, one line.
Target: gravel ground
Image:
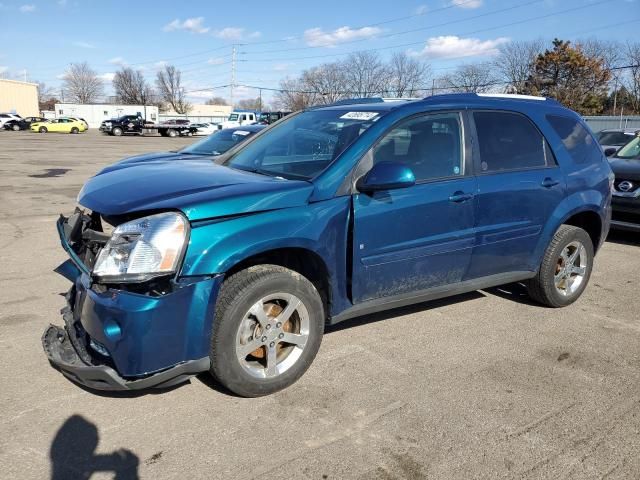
[(483, 385)]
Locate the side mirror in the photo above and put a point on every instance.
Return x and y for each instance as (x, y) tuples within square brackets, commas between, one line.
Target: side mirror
[(386, 176), (610, 151)]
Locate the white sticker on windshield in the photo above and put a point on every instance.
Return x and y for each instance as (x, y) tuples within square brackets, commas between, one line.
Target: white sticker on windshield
[(359, 115), (241, 132)]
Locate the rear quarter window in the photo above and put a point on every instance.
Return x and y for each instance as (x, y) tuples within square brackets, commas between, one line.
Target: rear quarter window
[(578, 141)]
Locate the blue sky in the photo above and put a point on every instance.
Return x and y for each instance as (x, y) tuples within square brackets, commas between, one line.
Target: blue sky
[(279, 38)]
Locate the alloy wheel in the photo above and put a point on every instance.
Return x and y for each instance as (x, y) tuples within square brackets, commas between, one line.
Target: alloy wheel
[(571, 268)]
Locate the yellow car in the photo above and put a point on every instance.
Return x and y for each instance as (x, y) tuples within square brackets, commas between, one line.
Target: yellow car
[(59, 125)]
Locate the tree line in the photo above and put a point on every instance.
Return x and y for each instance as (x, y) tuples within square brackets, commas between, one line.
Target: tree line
[(591, 77)]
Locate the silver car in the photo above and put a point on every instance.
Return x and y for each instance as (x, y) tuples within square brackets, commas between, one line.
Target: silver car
[(612, 139)]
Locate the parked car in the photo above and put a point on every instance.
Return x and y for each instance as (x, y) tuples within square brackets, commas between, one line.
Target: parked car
[(211, 146), (59, 125), (239, 118), (204, 128), (7, 117), (234, 266), (626, 194), (136, 125), (267, 118), (612, 139), (23, 123)]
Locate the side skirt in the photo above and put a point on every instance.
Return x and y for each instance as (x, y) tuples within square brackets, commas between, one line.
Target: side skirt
[(434, 293)]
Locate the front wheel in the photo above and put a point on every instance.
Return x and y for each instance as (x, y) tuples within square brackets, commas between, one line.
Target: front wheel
[(172, 133), (565, 269), (268, 326), (117, 132), (75, 130), (15, 128)]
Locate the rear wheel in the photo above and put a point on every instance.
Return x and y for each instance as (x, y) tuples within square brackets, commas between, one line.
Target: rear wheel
[(172, 133), (117, 131), (43, 130), (15, 128), (267, 329), (565, 269)]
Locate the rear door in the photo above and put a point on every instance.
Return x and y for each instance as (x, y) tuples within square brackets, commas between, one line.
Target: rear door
[(419, 237), (519, 186)]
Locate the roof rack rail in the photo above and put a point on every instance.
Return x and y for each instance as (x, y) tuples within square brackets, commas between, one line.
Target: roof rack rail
[(514, 96)]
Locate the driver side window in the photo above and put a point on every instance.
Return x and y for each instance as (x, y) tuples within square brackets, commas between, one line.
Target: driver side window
[(431, 145)]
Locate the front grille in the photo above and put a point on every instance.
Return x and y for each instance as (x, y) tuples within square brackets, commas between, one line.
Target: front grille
[(626, 217), (629, 186)]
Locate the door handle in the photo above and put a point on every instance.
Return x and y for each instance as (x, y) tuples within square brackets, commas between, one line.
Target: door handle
[(549, 182), (460, 197)]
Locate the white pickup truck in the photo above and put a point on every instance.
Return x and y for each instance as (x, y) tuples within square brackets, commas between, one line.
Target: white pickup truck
[(238, 118)]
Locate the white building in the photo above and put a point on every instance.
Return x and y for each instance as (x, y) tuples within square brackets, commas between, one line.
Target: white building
[(95, 114), (199, 113)]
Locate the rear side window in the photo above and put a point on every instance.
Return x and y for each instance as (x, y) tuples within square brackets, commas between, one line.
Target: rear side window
[(576, 139), (509, 141)]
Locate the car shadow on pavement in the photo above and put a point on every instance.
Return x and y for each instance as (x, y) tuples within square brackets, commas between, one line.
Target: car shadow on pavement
[(400, 311), (73, 454), (516, 292), (624, 238)]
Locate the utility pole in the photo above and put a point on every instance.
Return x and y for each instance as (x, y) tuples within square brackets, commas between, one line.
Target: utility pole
[(233, 73), (260, 100)]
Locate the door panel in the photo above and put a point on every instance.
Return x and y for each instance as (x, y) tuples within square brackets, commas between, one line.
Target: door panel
[(415, 238), (519, 187), (411, 239)]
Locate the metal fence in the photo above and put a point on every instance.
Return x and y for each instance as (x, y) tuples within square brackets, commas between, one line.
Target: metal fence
[(598, 123)]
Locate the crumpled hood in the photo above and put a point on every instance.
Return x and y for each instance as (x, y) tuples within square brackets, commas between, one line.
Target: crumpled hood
[(627, 168), (197, 187)]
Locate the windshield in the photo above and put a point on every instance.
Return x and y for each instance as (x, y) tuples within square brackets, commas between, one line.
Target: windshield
[(303, 145), (233, 117), (616, 139), (219, 142), (630, 150)]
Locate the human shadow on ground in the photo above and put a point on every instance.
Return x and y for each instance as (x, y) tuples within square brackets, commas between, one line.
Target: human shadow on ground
[(73, 454)]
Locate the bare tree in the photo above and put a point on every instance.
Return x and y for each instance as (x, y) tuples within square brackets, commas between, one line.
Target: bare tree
[(252, 104), (131, 88), (293, 97), (327, 83), (217, 101), (630, 77), (407, 76), (169, 85), (515, 62), (81, 83), (470, 78), (365, 74)]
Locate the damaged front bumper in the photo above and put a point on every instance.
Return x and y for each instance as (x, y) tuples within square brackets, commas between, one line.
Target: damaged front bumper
[(116, 339)]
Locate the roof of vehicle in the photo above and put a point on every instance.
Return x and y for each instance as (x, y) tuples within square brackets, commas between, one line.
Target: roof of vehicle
[(380, 104), (629, 131)]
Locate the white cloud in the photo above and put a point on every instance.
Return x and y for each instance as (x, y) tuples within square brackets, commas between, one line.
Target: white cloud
[(193, 25), (3, 70), (216, 61), (235, 33), (62, 3), (470, 4), (451, 46), (118, 61), (107, 77), (82, 44), (28, 8), (421, 10), (316, 37), (160, 64)]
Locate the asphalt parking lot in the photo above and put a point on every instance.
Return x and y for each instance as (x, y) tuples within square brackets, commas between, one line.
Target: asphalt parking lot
[(483, 385)]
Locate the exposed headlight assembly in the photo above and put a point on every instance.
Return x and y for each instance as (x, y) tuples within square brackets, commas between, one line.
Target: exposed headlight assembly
[(142, 249)]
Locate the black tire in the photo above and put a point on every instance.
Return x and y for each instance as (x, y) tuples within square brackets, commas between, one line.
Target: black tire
[(116, 132), (15, 128), (542, 288), (75, 130), (172, 133), (238, 293), (43, 130)]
